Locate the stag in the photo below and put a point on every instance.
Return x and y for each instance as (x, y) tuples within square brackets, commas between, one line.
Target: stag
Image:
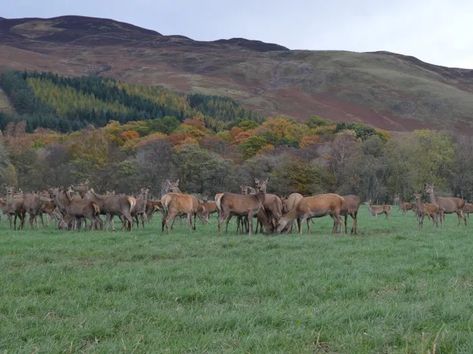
[(314, 207), (447, 205), (376, 210), (351, 204)]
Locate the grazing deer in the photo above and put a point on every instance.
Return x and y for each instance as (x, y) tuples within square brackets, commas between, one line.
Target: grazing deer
[(351, 204), (177, 204), (447, 205), (314, 207), (376, 210), (230, 204), (290, 203)]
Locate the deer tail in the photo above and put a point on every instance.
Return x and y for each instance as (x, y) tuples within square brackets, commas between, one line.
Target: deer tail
[(132, 202)]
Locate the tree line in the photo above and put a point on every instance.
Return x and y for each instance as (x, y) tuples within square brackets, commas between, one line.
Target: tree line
[(67, 104)]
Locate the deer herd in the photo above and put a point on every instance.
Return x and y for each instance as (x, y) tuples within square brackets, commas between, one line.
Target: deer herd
[(81, 207)]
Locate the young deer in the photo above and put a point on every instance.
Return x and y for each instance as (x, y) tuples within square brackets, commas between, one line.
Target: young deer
[(376, 210)]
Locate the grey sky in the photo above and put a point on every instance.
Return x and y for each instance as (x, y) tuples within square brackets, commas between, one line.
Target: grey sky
[(439, 32)]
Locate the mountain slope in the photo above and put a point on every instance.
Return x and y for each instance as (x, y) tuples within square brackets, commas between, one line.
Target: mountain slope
[(383, 89)]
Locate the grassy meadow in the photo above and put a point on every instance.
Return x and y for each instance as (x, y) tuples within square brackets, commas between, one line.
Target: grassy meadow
[(391, 289)]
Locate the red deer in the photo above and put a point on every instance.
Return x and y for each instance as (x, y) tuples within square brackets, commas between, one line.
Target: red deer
[(230, 204), (351, 204), (15, 208), (376, 210), (433, 212), (152, 206), (170, 187), (406, 206), (290, 202), (139, 211), (314, 207), (77, 209), (114, 205), (32, 203), (420, 212), (467, 209), (447, 205), (176, 204), (206, 209)]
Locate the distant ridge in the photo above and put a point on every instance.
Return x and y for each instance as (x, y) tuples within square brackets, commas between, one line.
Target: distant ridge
[(382, 89)]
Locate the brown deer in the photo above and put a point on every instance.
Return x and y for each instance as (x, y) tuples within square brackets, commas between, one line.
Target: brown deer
[(447, 205), (170, 187), (467, 209), (177, 204), (206, 209), (152, 206), (32, 203), (290, 202), (433, 212), (405, 207), (351, 204), (139, 211), (120, 205), (230, 204), (15, 208), (77, 209), (420, 212), (314, 207), (376, 210)]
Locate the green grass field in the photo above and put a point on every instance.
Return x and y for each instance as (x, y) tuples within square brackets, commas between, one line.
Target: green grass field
[(391, 289)]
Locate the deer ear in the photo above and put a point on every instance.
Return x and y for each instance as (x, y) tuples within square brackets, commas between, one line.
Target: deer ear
[(177, 181)]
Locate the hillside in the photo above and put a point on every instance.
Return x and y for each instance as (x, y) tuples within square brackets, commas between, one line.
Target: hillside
[(382, 89)]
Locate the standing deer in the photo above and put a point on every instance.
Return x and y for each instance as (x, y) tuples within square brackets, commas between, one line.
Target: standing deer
[(447, 205), (351, 204), (230, 204), (467, 209), (314, 207), (112, 205), (420, 212), (376, 210), (176, 204)]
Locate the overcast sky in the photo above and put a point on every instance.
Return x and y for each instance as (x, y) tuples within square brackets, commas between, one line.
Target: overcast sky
[(439, 32)]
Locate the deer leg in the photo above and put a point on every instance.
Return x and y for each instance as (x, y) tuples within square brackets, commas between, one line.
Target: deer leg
[(300, 222), (250, 223), (189, 220), (354, 224)]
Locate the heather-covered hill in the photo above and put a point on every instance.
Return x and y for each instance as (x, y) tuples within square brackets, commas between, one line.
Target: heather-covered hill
[(382, 89)]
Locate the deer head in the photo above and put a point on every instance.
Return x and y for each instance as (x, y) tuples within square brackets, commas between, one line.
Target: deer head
[(261, 185)]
